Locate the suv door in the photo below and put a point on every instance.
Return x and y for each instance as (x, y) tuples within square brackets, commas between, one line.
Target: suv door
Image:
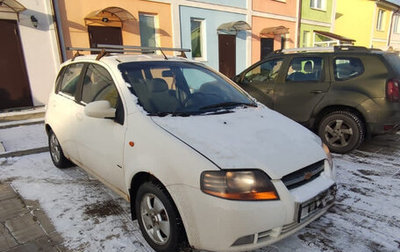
[(305, 84), (259, 81), (101, 141)]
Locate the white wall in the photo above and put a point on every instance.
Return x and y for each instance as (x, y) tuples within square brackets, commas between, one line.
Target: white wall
[(40, 48)]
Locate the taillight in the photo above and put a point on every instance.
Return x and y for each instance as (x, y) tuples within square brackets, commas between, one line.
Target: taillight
[(392, 91)]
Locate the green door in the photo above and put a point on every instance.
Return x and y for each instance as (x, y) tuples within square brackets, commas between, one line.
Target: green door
[(304, 86)]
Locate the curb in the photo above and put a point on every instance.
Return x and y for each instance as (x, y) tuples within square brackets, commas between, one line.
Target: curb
[(24, 152), (6, 125)]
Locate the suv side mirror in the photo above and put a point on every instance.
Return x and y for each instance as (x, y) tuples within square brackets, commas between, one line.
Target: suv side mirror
[(100, 109)]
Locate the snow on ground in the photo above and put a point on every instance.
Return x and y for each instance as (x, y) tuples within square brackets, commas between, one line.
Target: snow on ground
[(90, 217), (23, 137)]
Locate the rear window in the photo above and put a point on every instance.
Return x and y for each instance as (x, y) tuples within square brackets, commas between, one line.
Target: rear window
[(70, 79), (394, 61), (347, 68)]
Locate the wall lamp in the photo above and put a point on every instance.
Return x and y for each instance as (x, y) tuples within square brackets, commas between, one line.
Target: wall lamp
[(34, 21)]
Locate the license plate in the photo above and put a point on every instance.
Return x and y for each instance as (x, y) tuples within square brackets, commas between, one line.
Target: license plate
[(312, 206)]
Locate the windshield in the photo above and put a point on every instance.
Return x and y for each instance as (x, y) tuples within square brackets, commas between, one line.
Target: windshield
[(181, 88)]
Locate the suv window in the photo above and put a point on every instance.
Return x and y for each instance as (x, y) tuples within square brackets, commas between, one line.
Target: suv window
[(267, 71), (347, 68), (70, 79), (98, 85), (305, 69)]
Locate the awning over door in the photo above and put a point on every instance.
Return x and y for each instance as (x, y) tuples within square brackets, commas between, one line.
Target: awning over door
[(333, 38), (234, 26), (110, 16), (9, 9), (277, 30)]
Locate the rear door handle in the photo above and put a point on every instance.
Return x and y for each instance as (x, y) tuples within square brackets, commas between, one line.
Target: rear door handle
[(316, 92)]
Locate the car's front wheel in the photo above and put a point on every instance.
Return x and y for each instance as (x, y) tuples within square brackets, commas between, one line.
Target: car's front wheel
[(341, 131), (158, 218), (56, 153)]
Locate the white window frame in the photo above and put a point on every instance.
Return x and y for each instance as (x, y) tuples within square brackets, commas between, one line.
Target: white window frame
[(307, 39), (396, 27), (314, 4), (380, 20), (203, 38), (156, 27)]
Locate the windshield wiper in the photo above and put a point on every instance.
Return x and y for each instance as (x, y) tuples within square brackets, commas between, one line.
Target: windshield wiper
[(228, 105)]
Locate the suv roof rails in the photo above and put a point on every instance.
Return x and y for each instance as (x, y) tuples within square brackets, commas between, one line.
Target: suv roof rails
[(341, 48), (105, 49)]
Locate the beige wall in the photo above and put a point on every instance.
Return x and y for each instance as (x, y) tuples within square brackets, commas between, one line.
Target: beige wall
[(75, 32)]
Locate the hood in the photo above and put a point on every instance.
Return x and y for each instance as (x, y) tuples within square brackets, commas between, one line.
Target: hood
[(248, 138)]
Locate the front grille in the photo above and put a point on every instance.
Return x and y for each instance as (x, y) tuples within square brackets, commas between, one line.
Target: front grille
[(304, 175)]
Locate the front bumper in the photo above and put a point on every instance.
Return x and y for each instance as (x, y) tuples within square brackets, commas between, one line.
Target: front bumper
[(216, 224)]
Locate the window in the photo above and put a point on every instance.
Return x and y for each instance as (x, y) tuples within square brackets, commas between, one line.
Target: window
[(317, 4), (305, 69), (70, 79), (98, 85), (347, 68), (267, 71), (306, 39), (380, 22), (147, 26), (396, 28), (197, 37)]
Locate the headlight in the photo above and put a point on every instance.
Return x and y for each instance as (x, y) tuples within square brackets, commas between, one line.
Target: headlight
[(238, 185), (328, 154)]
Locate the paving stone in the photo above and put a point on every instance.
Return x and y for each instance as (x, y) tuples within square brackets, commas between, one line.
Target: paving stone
[(11, 208), (7, 192), (44, 221), (56, 238), (6, 240), (24, 228)]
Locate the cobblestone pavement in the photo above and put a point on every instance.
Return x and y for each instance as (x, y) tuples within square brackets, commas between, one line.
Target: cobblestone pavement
[(24, 226)]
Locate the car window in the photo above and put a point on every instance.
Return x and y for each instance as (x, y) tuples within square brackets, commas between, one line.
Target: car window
[(347, 68), (305, 69), (98, 85), (70, 79), (180, 88), (267, 71)]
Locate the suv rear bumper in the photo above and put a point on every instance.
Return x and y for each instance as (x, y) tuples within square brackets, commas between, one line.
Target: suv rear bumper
[(381, 116)]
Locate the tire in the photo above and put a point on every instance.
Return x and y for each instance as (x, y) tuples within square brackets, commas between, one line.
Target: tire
[(158, 218), (56, 152), (341, 131)]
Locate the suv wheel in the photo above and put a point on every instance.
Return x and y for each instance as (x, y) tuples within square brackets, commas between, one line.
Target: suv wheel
[(56, 153), (341, 131), (158, 218)]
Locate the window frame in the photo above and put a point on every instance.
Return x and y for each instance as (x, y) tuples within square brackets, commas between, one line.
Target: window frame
[(314, 5), (380, 20), (396, 26), (156, 25), (203, 39)]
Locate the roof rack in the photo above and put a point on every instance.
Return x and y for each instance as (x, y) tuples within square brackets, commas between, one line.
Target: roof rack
[(325, 49), (105, 49)]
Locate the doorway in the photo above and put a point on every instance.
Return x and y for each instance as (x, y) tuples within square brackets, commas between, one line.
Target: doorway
[(14, 83), (104, 35), (227, 54), (267, 46)]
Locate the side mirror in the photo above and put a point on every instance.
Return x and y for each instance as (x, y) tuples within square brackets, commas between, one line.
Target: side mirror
[(100, 109)]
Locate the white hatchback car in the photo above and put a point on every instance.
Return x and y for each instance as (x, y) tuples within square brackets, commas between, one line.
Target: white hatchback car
[(202, 163)]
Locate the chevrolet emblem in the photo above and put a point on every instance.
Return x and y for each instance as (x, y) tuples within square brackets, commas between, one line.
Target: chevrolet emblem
[(307, 175)]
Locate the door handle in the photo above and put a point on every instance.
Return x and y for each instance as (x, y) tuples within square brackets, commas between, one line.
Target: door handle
[(316, 92)]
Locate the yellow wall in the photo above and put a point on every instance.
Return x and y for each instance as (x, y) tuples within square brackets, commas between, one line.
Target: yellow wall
[(75, 32), (354, 20)]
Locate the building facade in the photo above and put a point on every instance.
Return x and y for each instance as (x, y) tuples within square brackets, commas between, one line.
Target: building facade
[(30, 52)]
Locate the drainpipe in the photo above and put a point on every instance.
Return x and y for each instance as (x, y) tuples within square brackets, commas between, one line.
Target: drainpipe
[(59, 29), (299, 23)]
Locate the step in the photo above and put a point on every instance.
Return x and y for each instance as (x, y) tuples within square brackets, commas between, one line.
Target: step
[(25, 114)]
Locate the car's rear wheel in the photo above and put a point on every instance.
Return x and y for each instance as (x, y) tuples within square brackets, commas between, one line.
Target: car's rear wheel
[(56, 152), (158, 218), (341, 131)]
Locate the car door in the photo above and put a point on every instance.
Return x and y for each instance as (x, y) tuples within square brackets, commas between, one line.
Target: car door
[(100, 140), (305, 84), (62, 107), (259, 81)]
